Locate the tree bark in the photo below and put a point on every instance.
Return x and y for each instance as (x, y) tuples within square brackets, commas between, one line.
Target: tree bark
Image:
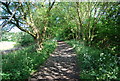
[(80, 28), (39, 41)]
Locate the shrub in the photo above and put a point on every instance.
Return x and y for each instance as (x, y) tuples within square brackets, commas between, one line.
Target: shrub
[(25, 39), (9, 36), (21, 38), (96, 64), (19, 64)]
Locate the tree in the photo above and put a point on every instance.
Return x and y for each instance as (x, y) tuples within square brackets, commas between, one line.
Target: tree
[(25, 20)]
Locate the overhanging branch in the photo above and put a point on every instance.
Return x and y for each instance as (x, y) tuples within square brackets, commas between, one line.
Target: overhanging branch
[(10, 17)]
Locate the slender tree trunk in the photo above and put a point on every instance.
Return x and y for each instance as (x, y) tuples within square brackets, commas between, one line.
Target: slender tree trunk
[(80, 28)]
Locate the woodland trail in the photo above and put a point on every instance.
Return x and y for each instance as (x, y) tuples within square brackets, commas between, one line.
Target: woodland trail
[(61, 65)]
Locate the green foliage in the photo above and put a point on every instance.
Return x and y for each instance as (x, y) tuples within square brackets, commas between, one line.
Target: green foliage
[(21, 38), (98, 24), (25, 39), (65, 33), (108, 27), (94, 63), (10, 36), (19, 64)]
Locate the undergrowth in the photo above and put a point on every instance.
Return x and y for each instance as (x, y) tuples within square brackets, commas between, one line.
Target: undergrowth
[(95, 64), (18, 65)]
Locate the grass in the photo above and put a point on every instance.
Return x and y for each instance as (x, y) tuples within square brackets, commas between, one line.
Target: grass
[(95, 64), (20, 64)]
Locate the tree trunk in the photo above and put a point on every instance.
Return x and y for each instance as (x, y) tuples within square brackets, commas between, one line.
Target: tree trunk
[(80, 27), (39, 45), (39, 42)]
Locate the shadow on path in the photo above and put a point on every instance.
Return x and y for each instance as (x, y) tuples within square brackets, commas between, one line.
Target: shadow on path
[(61, 65)]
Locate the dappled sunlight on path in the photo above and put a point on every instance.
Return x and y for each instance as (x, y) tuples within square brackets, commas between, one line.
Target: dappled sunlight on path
[(60, 65)]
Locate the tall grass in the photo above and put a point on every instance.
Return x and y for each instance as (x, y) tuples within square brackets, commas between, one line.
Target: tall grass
[(95, 64), (19, 64)]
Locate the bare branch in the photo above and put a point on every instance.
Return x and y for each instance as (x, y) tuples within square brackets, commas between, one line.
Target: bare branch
[(51, 6), (10, 17)]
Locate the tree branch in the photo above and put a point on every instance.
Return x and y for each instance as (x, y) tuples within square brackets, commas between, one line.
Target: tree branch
[(10, 17), (22, 29), (51, 6), (16, 23)]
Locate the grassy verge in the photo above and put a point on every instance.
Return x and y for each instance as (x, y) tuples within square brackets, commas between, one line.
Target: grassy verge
[(19, 64), (95, 64)]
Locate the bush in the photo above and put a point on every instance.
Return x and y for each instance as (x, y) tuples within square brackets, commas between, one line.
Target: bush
[(25, 39), (66, 33), (96, 64), (9, 36), (19, 64), (21, 38)]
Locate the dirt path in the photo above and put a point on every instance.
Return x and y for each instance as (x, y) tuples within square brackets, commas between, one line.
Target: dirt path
[(61, 65)]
